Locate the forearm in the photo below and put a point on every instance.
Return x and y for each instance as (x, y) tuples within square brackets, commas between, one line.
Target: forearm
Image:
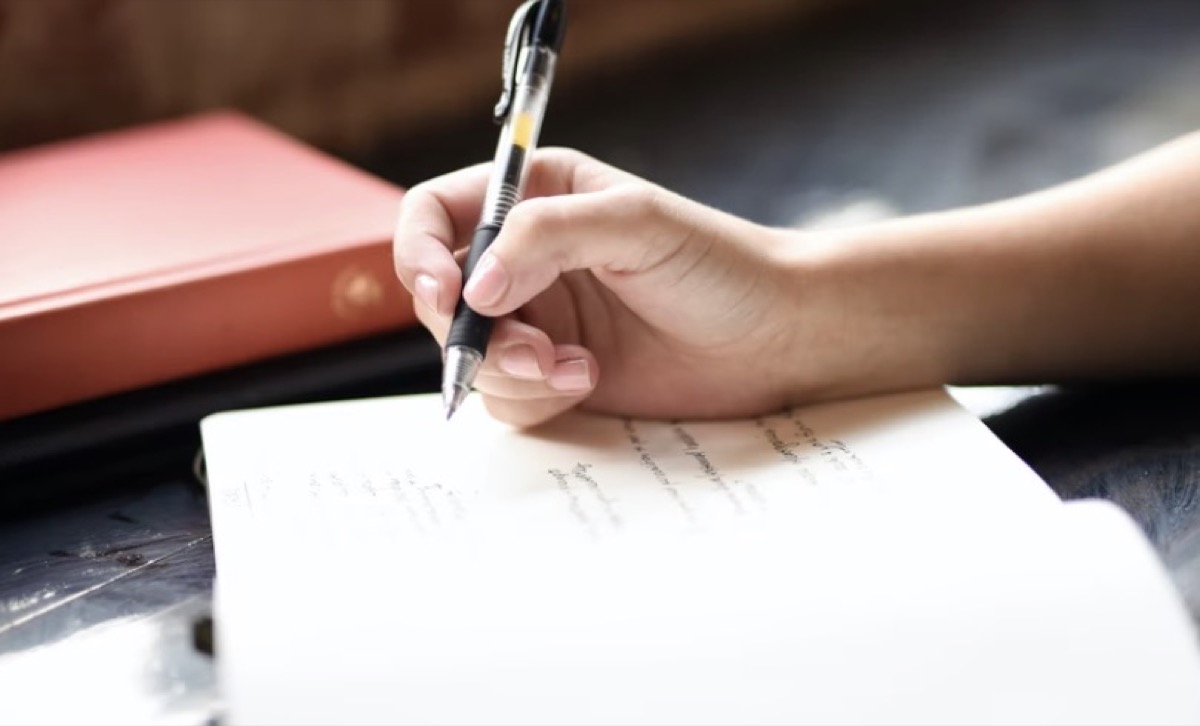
[(1099, 278)]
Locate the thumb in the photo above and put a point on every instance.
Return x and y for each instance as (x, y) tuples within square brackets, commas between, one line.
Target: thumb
[(624, 229)]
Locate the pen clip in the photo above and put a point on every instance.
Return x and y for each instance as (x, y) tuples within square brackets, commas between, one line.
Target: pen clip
[(518, 36)]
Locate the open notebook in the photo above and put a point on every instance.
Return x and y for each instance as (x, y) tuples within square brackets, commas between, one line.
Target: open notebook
[(884, 560)]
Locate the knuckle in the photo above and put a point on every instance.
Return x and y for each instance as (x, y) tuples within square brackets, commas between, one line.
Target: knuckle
[(556, 153), (412, 196), (530, 220), (564, 155), (639, 200)]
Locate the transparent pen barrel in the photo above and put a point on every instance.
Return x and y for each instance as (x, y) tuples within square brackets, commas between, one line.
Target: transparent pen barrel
[(519, 136)]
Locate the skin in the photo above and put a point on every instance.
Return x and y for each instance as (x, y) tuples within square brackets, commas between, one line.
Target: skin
[(618, 296)]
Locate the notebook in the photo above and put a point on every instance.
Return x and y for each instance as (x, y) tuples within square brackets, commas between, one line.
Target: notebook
[(161, 252), (882, 560)]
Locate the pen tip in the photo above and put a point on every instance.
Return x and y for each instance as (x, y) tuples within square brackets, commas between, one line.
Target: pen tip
[(452, 400), (461, 366)]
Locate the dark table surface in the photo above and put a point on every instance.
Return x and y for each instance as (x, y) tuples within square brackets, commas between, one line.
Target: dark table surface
[(867, 112)]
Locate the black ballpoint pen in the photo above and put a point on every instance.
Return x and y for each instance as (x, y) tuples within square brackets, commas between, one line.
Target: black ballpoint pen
[(530, 51)]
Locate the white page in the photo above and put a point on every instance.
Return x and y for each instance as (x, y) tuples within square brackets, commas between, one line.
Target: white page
[(394, 465), (832, 564)]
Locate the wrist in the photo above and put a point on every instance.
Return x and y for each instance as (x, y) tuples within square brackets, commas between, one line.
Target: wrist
[(877, 308)]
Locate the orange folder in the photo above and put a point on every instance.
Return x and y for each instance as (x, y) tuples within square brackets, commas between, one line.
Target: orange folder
[(160, 252)]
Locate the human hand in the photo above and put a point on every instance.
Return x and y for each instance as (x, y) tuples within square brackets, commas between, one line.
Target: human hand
[(611, 293), (624, 298)]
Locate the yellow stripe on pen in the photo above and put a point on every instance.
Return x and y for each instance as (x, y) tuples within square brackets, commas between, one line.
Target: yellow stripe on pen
[(522, 130)]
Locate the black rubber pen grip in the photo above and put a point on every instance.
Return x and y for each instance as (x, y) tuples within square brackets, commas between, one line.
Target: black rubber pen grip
[(469, 328)]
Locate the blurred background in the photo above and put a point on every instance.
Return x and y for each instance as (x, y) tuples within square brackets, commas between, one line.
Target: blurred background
[(787, 111), (343, 74)]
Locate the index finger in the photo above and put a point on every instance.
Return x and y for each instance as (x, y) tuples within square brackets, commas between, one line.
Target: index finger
[(438, 216), (435, 218)]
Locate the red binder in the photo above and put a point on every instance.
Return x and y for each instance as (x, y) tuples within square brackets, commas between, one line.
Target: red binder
[(151, 254)]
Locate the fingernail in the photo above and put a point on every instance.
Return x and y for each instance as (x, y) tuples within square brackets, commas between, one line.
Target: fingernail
[(520, 361), (571, 375), (426, 289), (488, 282)]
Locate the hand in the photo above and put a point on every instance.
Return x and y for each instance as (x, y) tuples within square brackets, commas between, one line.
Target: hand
[(626, 299), (610, 291)]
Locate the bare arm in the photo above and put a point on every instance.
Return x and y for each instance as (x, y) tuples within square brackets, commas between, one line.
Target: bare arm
[(619, 296), (1094, 279)]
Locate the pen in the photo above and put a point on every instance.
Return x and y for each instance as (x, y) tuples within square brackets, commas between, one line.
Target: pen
[(531, 47)]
